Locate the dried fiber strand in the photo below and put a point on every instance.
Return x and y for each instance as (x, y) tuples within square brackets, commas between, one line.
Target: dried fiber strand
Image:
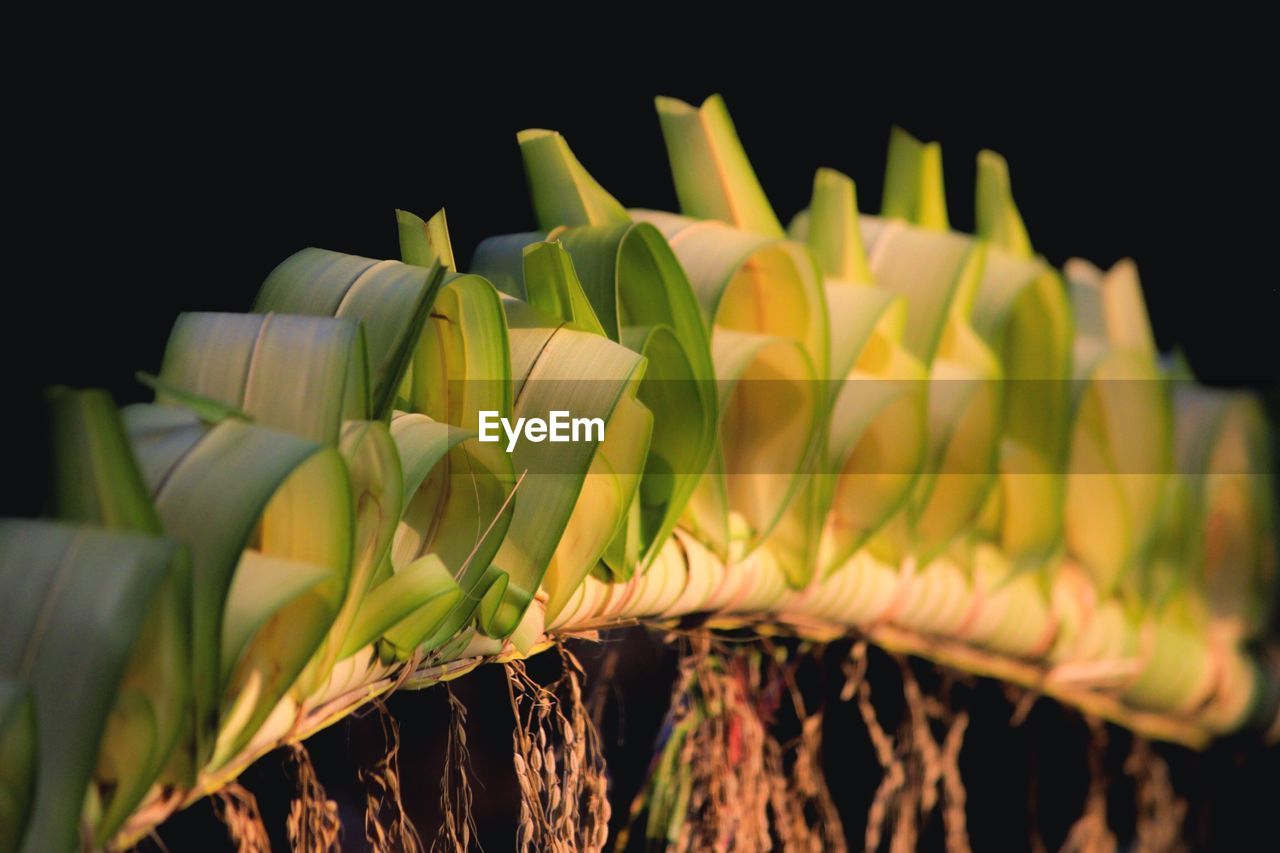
[(313, 823), (386, 825), (237, 807), (1090, 833), (457, 824), (1160, 811), (558, 760)]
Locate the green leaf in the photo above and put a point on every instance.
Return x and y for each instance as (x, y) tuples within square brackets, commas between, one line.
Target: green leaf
[(377, 496), (208, 410), (308, 521), (262, 586), (1022, 311), (74, 600), (1224, 540), (229, 487), (389, 299), (933, 272), (1122, 430), (832, 232), (554, 368), (17, 760), (424, 243), (1120, 456), (97, 482), (714, 178), (408, 607), (758, 286), (997, 215), (554, 289), (304, 375), (460, 512), (456, 511), (913, 187), (1109, 307), (465, 365), (771, 405), (563, 192), (642, 299), (876, 441)]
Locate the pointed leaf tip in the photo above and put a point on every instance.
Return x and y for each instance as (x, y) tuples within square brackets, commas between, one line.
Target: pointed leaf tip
[(423, 243), (553, 287), (913, 184), (833, 232), (998, 219), (95, 476), (1128, 324), (563, 191), (713, 177)]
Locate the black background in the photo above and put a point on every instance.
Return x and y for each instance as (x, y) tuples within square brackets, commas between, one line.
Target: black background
[(158, 190)]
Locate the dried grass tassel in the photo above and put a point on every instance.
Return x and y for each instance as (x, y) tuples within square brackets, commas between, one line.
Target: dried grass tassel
[(313, 822), (953, 812), (1161, 811), (895, 775), (394, 832), (237, 807), (805, 817), (457, 824), (559, 762), (1090, 834), (709, 786)]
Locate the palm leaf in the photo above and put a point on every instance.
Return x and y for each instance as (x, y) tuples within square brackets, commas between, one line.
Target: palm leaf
[(96, 481), (389, 299), (74, 603), (18, 760), (221, 489)]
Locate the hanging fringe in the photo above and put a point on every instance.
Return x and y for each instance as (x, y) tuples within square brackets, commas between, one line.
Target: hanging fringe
[(713, 772), (955, 796), (237, 807), (895, 775), (804, 814), (457, 824), (559, 762), (919, 771), (387, 827), (1161, 811), (1090, 834), (313, 822)]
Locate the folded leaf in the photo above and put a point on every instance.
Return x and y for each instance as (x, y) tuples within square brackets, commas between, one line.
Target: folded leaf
[(304, 375), (642, 299), (714, 178), (389, 299), (232, 486), (913, 188), (17, 760), (74, 601), (96, 481), (997, 216)]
